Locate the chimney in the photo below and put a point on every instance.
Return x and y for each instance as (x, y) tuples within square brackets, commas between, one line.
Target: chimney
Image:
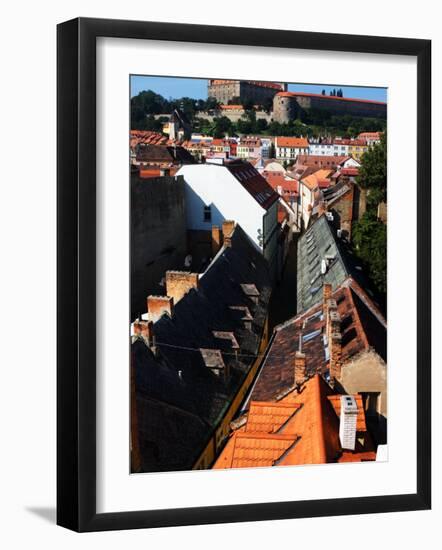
[(347, 422), (326, 292), (322, 208), (216, 240), (144, 330), (335, 346), (178, 283), (326, 296), (157, 306), (228, 241), (300, 373), (333, 322), (228, 227)]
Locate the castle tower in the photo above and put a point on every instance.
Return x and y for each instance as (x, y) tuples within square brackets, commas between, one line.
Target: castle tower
[(284, 107)]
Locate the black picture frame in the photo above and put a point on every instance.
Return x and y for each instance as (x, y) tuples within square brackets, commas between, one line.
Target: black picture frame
[(76, 274)]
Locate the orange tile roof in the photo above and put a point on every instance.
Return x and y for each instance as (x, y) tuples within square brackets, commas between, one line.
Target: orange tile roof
[(289, 185), (291, 142), (232, 107), (255, 450), (370, 135), (268, 417), (308, 431), (313, 180)]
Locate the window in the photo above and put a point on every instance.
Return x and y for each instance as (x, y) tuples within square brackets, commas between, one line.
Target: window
[(208, 213)]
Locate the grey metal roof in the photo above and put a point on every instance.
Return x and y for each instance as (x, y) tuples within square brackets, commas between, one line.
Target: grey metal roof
[(317, 244)]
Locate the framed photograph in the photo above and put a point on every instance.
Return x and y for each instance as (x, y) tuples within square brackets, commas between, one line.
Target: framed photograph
[(239, 212)]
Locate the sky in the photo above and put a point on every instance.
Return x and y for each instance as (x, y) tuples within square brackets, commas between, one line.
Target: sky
[(196, 88)]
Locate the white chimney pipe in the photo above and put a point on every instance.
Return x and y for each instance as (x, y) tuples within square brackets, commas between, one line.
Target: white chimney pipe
[(347, 424)]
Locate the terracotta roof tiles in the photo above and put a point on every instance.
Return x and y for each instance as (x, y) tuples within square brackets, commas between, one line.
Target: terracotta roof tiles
[(308, 432)]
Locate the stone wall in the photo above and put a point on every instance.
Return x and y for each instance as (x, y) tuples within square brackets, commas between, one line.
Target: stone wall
[(343, 210)]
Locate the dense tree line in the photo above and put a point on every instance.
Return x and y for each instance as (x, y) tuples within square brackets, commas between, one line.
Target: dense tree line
[(369, 233), (147, 104), (312, 122)]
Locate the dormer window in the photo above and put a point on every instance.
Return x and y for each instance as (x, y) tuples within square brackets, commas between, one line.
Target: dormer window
[(228, 337), (214, 361), (207, 214), (251, 292)]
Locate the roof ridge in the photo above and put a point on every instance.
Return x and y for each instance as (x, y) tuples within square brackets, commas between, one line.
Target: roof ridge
[(284, 424), (274, 404), (358, 324), (356, 287), (277, 461)]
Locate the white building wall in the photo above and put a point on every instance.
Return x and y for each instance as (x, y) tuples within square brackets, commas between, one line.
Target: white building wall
[(209, 184), (307, 198), (290, 153), (351, 163)]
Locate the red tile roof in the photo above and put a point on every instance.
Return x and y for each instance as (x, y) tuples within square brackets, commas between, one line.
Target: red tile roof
[(350, 172), (253, 182), (313, 181), (321, 161), (291, 142), (276, 180), (370, 135), (362, 327), (301, 428), (232, 107)]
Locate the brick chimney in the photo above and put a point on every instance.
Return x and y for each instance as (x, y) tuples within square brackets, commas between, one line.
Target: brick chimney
[(228, 227), (334, 322), (178, 283), (216, 239), (331, 307), (300, 372), (157, 306), (335, 346), (326, 295), (144, 330)]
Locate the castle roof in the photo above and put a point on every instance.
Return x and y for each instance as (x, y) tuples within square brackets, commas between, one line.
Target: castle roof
[(328, 97)]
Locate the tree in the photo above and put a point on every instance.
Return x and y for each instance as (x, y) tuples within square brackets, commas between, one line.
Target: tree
[(369, 235), (373, 173), (261, 125), (212, 103), (369, 239), (248, 105), (221, 127), (267, 105), (244, 126)]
